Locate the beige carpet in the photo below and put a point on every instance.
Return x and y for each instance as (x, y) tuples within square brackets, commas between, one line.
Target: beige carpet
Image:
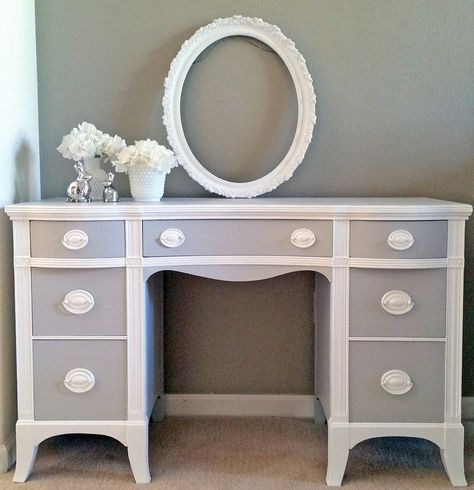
[(238, 453)]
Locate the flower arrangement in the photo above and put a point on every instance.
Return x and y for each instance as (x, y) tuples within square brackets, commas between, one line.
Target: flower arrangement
[(86, 141), (145, 153)]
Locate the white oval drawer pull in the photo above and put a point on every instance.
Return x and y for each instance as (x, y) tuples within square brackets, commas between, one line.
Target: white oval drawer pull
[(396, 382), (79, 380), (302, 238), (400, 240), (75, 239), (78, 301), (172, 238), (397, 302)]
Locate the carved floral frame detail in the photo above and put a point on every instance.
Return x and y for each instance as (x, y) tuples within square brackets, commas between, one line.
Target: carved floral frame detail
[(285, 48)]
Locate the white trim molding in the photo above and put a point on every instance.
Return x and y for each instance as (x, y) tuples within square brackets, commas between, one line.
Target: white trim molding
[(301, 208), (454, 324), (205, 260), (398, 263), (299, 406), (52, 263)]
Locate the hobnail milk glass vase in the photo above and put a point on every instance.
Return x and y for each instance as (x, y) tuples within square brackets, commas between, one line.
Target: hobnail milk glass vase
[(146, 183), (92, 165)]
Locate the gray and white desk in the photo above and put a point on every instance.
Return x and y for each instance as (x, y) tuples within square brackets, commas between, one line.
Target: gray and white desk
[(388, 296)]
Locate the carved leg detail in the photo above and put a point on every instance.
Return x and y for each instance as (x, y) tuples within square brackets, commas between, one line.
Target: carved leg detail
[(138, 452), (453, 456), (26, 450), (338, 452)]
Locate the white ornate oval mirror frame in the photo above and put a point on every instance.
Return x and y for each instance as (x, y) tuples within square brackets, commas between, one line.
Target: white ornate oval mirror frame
[(306, 99)]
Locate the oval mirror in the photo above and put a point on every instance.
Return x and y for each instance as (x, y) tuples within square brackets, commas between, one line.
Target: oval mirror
[(306, 102)]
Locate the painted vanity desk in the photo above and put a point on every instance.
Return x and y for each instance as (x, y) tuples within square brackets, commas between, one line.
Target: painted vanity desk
[(388, 308)]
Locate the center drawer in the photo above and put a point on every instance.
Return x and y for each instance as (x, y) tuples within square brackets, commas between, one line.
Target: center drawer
[(237, 237)]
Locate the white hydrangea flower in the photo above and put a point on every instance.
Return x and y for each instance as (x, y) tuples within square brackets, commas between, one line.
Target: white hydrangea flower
[(88, 141), (83, 141), (146, 153), (111, 146)]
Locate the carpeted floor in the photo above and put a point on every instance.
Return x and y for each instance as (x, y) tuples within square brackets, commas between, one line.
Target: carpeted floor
[(238, 453)]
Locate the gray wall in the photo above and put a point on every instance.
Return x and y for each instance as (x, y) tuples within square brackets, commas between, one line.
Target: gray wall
[(395, 118)]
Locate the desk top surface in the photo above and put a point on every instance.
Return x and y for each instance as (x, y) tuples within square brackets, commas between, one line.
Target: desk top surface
[(257, 208)]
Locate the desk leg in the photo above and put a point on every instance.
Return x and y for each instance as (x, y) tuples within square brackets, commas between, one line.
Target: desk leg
[(138, 452), (26, 449), (338, 452), (453, 456)]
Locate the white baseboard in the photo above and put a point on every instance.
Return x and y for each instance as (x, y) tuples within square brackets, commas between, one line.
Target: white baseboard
[(258, 405), (467, 408), (7, 454), (240, 405)]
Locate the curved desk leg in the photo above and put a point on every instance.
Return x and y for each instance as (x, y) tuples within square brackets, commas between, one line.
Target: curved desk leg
[(26, 449), (453, 456), (338, 452), (138, 452)]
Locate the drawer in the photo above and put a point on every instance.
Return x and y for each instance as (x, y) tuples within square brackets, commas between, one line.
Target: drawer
[(237, 237), (397, 303), (80, 379), (77, 239), (396, 382), (79, 301), (399, 239)]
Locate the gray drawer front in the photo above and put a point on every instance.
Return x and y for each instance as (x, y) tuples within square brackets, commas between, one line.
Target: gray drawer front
[(106, 359), (105, 239), (422, 361), (427, 288), (369, 239), (107, 286), (239, 237)]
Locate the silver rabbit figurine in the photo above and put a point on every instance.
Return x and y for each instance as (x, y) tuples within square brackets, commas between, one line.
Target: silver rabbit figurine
[(80, 189), (110, 193)]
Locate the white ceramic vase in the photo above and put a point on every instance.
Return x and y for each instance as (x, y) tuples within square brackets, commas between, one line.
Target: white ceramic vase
[(146, 183), (92, 165)]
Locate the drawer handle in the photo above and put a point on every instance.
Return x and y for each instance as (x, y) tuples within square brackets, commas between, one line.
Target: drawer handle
[(400, 240), (172, 238), (79, 380), (303, 238), (397, 302), (75, 239), (396, 382), (78, 301)]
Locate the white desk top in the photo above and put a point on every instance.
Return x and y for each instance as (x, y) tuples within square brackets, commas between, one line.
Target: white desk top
[(257, 208)]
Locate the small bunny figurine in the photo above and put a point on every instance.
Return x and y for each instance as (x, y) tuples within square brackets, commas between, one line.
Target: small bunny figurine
[(110, 193), (80, 189)]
